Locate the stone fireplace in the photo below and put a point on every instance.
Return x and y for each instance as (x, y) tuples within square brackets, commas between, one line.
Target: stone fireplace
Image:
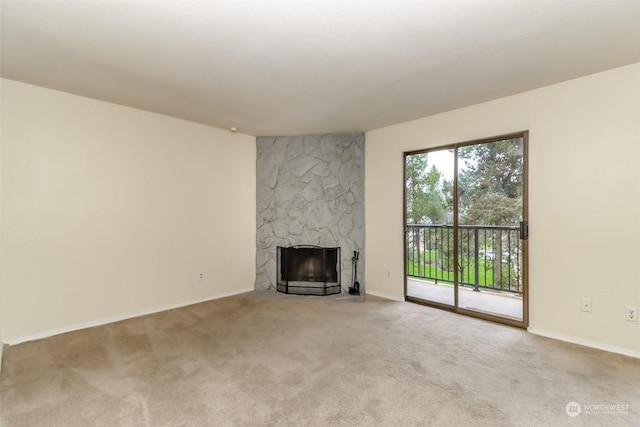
[(310, 191)]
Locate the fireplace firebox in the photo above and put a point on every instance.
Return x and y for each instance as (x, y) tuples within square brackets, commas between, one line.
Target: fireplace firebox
[(308, 270)]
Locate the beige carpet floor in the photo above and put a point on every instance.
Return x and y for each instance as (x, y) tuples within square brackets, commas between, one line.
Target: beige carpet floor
[(246, 361)]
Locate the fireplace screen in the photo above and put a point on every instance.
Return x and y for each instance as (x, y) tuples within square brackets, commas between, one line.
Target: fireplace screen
[(308, 270)]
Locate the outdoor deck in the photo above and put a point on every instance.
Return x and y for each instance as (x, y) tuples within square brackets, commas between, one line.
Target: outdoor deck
[(485, 301)]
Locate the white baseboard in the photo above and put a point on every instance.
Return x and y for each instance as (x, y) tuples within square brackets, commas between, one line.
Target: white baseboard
[(381, 295), (586, 343), (57, 331), (100, 322)]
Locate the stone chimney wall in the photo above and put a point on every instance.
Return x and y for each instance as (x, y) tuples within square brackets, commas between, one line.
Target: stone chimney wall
[(310, 191)]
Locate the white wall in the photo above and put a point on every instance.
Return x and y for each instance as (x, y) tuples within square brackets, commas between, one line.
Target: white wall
[(584, 197), (111, 212), (1, 282)]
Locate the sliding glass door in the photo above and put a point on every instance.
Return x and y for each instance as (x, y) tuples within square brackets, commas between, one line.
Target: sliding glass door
[(466, 228), (429, 226)]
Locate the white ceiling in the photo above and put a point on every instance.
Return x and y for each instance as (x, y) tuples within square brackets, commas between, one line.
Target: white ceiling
[(285, 68)]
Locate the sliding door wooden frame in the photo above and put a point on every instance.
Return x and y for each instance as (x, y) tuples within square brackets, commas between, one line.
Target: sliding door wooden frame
[(525, 217)]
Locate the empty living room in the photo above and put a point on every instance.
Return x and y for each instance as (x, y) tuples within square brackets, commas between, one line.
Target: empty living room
[(319, 213)]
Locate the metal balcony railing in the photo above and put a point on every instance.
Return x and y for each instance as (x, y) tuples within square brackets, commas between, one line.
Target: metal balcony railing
[(489, 257)]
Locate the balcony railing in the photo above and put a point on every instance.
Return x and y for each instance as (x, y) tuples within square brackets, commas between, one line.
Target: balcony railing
[(490, 257)]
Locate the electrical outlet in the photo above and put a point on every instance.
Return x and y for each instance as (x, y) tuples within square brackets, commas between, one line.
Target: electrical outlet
[(201, 275), (389, 274), (586, 305), (631, 313)]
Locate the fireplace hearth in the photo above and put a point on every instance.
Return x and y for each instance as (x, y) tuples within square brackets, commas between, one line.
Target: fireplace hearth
[(308, 270)]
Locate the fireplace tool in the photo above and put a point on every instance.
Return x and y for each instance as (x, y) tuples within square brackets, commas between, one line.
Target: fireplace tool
[(355, 289)]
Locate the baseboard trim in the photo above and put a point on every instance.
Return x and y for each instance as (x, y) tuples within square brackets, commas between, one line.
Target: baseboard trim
[(58, 331), (382, 295), (114, 319), (586, 343)]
